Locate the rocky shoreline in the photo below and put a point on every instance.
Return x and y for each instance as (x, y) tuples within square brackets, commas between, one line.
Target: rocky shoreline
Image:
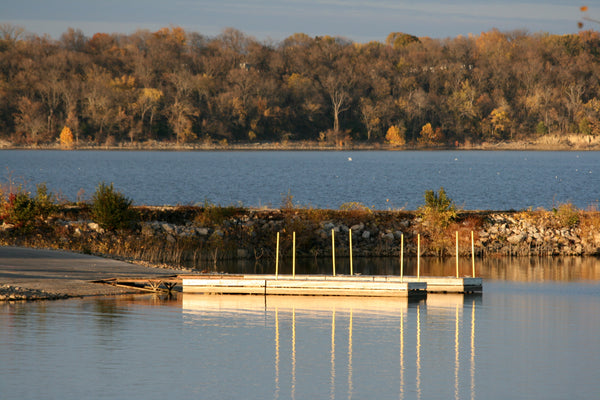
[(500, 233), (181, 236)]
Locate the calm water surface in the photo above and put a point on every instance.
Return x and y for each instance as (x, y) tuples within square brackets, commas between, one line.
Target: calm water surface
[(532, 335), (386, 180)]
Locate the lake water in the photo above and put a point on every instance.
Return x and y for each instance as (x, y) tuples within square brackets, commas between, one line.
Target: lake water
[(381, 179), (532, 334), (517, 340)]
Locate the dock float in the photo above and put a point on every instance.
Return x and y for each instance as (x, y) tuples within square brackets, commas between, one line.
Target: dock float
[(307, 285), (437, 284)]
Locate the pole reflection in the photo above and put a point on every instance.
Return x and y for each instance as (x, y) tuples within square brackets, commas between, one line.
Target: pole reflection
[(332, 375), (293, 353), (473, 351), (417, 326), (350, 386), (276, 353), (401, 355), (418, 351)]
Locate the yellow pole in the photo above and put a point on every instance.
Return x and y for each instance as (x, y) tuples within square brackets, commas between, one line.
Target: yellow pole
[(294, 256), (333, 249), (277, 258), (419, 257), (351, 268), (457, 254), (473, 253), (402, 258)]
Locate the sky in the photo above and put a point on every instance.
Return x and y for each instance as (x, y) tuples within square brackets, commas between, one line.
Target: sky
[(274, 20)]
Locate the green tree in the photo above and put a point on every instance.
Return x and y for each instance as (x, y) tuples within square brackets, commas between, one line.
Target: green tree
[(398, 40), (111, 209)]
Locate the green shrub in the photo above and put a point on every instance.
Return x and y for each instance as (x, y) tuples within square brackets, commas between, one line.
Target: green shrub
[(44, 201), (437, 214), (438, 208), (354, 206), (21, 209), (111, 209)]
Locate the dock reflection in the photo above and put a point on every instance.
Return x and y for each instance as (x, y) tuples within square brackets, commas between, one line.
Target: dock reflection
[(298, 330)]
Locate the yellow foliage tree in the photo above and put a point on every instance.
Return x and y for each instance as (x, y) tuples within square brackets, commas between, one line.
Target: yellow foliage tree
[(66, 138), (395, 135), (430, 136), (500, 121), (592, 110)]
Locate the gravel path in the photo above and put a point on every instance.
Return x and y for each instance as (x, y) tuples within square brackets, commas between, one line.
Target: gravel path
[(34, 274)]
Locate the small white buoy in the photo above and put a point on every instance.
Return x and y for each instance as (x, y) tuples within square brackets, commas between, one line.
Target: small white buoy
[(349, 158)]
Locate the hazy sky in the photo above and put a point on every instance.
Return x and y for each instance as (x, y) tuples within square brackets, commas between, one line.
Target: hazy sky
[(360, 21)]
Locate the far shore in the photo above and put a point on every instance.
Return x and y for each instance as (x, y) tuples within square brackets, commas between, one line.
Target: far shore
[(545, 143)]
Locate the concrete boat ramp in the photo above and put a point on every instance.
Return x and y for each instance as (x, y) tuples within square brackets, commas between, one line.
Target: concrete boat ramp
[(310, 285)]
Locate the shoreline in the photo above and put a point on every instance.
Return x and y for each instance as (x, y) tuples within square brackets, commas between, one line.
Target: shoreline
[(571, 142)]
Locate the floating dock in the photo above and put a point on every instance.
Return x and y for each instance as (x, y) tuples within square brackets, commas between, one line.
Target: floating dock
[(304, 285), (309, 285)]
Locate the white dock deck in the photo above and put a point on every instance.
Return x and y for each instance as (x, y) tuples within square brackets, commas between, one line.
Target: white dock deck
[(309, 285)]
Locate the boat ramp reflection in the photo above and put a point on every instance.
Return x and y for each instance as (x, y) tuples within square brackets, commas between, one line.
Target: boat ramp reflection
[(366, 346)]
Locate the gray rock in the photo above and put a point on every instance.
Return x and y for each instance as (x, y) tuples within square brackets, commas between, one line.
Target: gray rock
[(516, 238), (168, 228), (95, 227), (357, 227), (328, 225), (202, 231)]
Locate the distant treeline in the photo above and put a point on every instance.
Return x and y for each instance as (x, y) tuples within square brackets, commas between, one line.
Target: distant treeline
[(183, 87)]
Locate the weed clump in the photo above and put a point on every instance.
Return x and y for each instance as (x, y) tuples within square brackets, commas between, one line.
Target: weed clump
[(567, 215), (214, 215)]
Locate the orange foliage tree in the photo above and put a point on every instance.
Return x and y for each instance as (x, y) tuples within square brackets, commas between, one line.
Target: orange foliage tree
[(66, 138), (395, 135)]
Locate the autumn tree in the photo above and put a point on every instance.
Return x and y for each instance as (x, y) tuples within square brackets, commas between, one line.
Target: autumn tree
[(66, 138), (500, 121), (147, 105), (181, 111), (97, 100), (395, 135), (430, 136), (30, 120)]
